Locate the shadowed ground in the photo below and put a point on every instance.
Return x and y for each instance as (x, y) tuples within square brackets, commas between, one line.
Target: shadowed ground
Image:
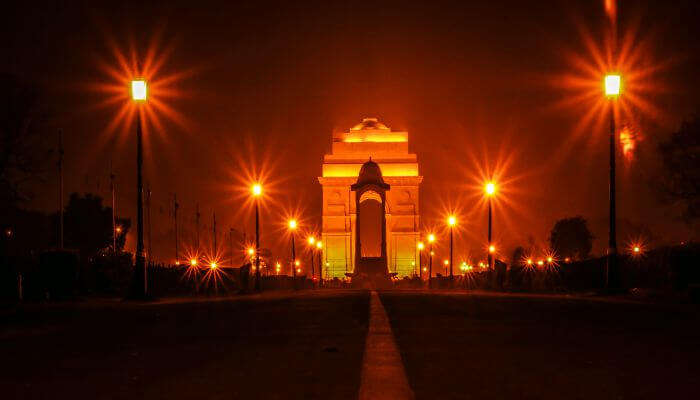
[(277, 346), (311, 344), (486, 346)]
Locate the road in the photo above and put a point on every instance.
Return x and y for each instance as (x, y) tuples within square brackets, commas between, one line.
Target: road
[(312, 344)]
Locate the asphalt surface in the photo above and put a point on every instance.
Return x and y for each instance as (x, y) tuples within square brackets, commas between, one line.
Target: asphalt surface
[(307, 345), (310, 345), (545, 347)]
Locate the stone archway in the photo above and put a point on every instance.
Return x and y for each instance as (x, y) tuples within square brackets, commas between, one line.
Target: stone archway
[(370, 232), (370, 215)]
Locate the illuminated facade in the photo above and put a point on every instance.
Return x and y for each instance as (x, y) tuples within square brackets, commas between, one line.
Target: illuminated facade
[(399, 168)]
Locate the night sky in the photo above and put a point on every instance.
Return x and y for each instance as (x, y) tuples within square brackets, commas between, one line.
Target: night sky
[(261, 86)]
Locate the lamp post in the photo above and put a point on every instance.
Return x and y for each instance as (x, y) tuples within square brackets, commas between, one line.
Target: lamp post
[(431, 239), (613, 82), (490, 191), (319, 247), (257, 191), (312, 243), (451, 221), (420, 246), (292, 227), (139, 95)]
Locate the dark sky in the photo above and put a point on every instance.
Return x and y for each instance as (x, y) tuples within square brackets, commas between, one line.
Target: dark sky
[(474, 84)]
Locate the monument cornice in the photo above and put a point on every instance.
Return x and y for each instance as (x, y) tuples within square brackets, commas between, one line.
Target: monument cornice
[(391, 180)]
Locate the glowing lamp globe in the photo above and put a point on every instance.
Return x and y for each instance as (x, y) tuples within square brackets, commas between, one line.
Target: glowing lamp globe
[(452, 220), (292, 224), (138, 90), (256, 189), (420, 245), (431, 238), (193, 262), (319, 245), (490, 188), (312, 240), (492, 249), (612, 85), (213, 265)]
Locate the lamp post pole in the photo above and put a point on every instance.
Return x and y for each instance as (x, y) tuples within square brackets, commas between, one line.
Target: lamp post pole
[(312, 266), (320, 267), (430, 267), (294, 259), (489, 256), (611, 276), (60, 191), (451, 272), (258, 286), (140, 264), (613, 84)]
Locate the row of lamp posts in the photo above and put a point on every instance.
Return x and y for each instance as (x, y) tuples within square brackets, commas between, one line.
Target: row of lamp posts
[(139, 93)]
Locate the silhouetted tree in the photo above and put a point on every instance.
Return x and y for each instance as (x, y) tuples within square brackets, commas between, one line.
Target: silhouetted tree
[(570, 237), (518, 255), (680, 179), (88, 225), (23, 150)]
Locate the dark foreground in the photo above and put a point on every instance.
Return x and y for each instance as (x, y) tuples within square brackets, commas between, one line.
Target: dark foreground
[(310, 345)]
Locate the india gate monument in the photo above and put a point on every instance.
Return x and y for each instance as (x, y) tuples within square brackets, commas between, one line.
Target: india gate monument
[(371, 215)]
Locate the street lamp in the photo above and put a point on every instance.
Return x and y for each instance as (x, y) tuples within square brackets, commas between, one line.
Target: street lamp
[(319, 247), (613, 84), (256, 190), (139, 95), (420, 246), (292, 227), (451, 221), (431, 239), (312, 243), (490, 191)]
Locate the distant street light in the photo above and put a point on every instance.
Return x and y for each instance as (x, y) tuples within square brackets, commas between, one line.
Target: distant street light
[(613, 85), (292, 227), (490, 191), (420, 246), (257, 192), (431, 239), (139, 95), (312, 243), (319, 247), (451, 221)]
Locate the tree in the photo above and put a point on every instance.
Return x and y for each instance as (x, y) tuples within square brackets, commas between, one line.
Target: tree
[(23, 151), (570, 237), (518, 255), (88, 225), (680, 180)]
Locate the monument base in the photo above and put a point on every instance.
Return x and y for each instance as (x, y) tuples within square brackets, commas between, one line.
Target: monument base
[(371, 273)]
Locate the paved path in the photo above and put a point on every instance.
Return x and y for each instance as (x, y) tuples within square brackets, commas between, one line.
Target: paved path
[(335, 344), (383, 376)]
